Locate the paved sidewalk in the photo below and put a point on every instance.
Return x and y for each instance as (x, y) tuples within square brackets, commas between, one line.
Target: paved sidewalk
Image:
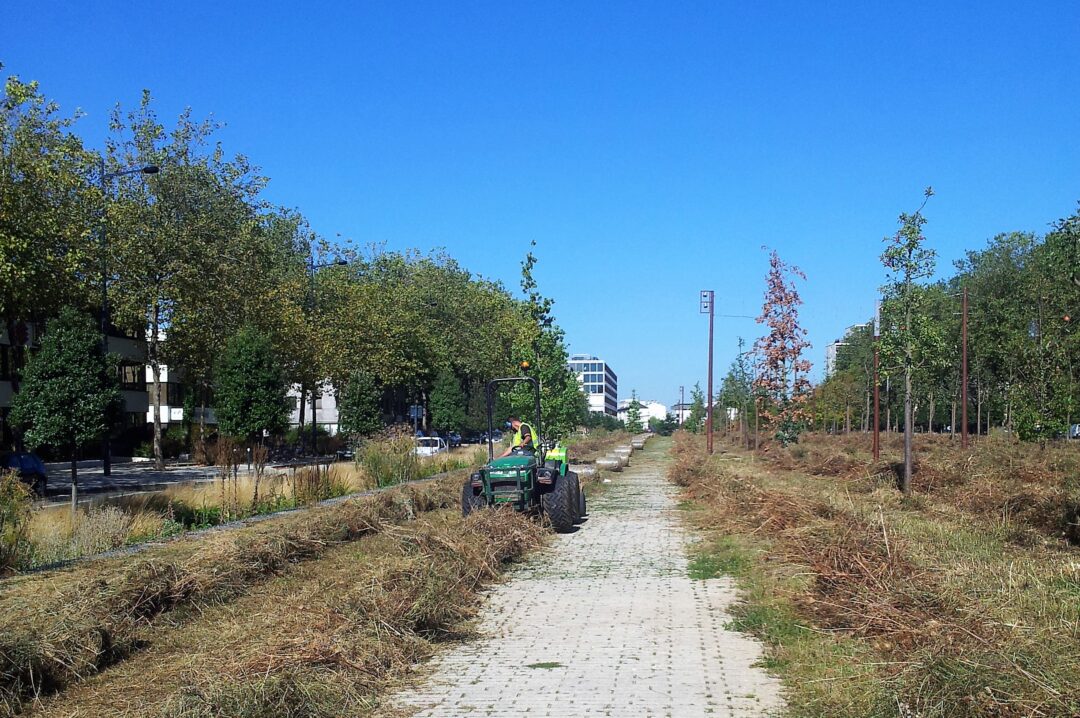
[(605, 623)]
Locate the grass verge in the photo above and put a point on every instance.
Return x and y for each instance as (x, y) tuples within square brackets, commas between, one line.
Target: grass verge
[(873, 605)]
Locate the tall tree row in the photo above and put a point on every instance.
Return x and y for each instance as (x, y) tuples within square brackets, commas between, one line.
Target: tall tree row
[(1023, 350), (194, 254)]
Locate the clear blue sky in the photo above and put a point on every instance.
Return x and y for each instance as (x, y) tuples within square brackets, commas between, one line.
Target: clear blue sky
[(651, 148)]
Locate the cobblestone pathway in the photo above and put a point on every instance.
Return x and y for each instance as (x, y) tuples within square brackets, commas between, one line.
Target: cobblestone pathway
[(605, 623)]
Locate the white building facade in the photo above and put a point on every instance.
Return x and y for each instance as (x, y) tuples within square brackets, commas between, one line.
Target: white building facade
[(649, 410), (598, 381), (326, 409)]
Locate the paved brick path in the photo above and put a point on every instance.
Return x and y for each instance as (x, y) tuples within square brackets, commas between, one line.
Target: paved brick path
[(606, 623)]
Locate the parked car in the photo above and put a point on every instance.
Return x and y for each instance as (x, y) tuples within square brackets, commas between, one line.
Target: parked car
[(453, 439), (30, 467), (430, 446)]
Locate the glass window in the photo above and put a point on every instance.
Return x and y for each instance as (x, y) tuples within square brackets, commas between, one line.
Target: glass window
[(132, 377)]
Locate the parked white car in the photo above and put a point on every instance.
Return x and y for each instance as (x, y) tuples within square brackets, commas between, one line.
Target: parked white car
[(430, 445)]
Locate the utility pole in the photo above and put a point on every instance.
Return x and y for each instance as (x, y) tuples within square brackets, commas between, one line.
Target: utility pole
[(707, 296), (682, 404), (877, 382), (964, 374)]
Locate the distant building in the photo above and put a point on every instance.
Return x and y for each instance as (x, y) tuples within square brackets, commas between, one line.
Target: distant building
[(326, 409), (831, 352), (649, 410), (25, 338), (681, 412), (598, 381)]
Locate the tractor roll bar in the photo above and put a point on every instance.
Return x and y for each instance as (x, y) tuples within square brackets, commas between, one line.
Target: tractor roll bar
[(491, 387)]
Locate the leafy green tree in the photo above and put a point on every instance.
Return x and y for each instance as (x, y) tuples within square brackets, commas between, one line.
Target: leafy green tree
[(167, 232), (600, 420), (563, 404), (907, 260), (447, 402), (48, 207), (737, 390), (695, 420), (70, 393), (633, 415), (359, 414), (249, 387), (665, 426)]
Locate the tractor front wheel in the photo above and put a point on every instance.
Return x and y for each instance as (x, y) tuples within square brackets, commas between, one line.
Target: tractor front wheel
[(559, 505), (469, 501)]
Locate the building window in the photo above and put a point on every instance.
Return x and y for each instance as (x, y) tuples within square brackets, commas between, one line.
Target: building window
[(132, 377)]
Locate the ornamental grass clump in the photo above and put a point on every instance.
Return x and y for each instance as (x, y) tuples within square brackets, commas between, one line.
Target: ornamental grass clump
[(15, 507)]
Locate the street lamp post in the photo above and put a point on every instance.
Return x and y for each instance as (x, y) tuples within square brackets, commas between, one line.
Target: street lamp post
[(103, 242), (314, 382), (707, 297)]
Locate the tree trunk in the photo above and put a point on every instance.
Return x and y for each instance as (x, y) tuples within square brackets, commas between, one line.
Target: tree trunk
[(930, 421), (202, 421), (978, 408), (908, 424), (866, 411), (300, 417), (155, 370), (847, 419), (757, 427), (74, 483), (952, 426)]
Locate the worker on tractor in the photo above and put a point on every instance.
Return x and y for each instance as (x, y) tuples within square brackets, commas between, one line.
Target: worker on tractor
[(524, 441)]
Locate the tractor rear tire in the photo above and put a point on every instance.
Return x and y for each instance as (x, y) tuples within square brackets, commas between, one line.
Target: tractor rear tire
[(469, 501), (559, 506)]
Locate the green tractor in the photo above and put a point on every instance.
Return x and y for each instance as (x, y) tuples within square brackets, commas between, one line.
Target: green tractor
[(538, 480)]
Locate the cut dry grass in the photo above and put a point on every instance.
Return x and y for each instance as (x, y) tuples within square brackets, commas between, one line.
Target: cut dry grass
[(58, 628), (325, 640), (880, 606), (586, 449), (1030, 492)]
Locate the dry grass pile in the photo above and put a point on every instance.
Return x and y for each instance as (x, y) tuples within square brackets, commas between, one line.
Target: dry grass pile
[(1029, 491), (855, 570), (328, 642), (58, 628), (596, 443)]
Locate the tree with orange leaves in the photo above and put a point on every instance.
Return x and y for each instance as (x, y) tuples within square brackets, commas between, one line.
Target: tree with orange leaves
[(782, 384)]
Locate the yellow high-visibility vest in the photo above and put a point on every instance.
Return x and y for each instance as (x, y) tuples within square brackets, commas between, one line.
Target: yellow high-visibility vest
[(516, 441)]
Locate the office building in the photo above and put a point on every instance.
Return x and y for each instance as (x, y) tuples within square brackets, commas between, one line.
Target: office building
[(598, 381)]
